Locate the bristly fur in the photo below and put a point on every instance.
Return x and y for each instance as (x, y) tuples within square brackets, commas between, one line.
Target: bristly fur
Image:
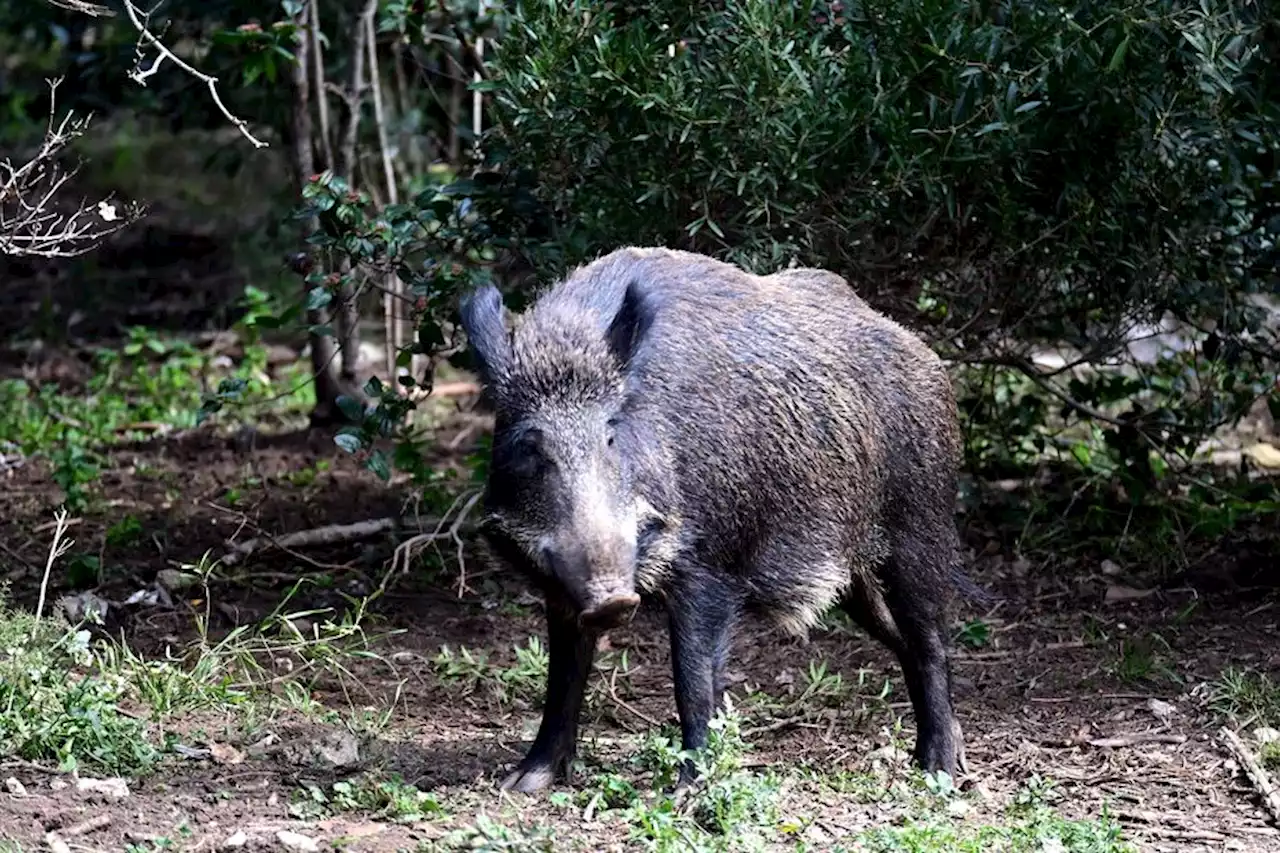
[(781, 431), (673, 424)]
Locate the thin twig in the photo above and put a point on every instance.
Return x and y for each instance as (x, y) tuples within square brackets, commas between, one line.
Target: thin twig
[(30, 223), (317, 68), (139, 75), (1137, 739), (391, 316), (57, 548), (84, 827)]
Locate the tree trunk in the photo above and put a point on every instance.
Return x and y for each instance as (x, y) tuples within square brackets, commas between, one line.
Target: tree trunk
[(330, 382)]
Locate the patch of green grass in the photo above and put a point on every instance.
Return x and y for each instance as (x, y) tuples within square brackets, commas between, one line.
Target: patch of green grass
[(488, 836), (1040, 830), (1269, 755), (1251, 698), (471, 670), (63, 698), (56, 704), (388, 799), (729, 807), (1147, 657), (149, 383)]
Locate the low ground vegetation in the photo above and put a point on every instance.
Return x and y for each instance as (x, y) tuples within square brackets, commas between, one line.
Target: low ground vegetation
[(310, 692)]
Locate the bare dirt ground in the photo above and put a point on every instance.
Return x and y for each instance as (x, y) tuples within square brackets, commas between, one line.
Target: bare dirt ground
[(1104, 698)]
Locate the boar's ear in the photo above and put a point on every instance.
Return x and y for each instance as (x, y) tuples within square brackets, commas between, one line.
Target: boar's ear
[(483, 318), (635, 316)]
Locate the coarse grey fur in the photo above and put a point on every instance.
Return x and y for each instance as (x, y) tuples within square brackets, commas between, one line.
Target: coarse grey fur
[(767, 442)]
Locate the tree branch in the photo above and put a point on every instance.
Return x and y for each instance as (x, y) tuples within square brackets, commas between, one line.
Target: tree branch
[(30, 223), (139, 75)]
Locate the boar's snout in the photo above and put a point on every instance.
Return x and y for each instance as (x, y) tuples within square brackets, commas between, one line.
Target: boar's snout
[(603, 590), (611, 612)]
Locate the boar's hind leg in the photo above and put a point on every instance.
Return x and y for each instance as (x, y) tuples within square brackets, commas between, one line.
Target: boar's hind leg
[(908, 619), (571, 651), (702, 611)]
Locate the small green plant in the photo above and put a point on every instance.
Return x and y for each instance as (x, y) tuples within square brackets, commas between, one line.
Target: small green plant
[(125, 531), (1144, 658), (59, 704), (389, 799), (1251, 698), (488, 836), (974, 634), (469, 670)]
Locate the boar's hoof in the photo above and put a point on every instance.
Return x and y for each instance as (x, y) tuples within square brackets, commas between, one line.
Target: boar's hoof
[(611, 612), (529, 779)]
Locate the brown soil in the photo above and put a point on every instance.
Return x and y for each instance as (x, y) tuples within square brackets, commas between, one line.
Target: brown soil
[(1050, 680)]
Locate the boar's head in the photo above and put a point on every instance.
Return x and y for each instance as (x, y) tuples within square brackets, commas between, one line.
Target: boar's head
[(560, 499)]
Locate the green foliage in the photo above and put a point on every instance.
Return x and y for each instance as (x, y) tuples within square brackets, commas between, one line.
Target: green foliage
[(56, 705), (1251, 698), (149, 383), (391, 799), (443, 242), (470, 670), (1006, 176)]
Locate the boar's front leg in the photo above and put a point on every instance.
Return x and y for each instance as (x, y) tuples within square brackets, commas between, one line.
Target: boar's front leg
[(571, 650), (702, 610)]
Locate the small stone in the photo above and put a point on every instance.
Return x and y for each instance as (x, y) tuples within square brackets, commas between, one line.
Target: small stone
[(13, 786), (1110, 568), (1160, 709), (114, 789), (57, 784), (235, 841), (295, 841), (225, 754), (336, 749), (1266, 734), (174, 580)]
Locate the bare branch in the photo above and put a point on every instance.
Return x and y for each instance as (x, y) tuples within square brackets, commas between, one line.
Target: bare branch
[(91, 9), (31, 223), (141, 22)]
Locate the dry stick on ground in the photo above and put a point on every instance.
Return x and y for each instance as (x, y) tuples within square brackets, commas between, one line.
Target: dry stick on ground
[(327, 535), (57, 548), (1137, 739), (1257, 775), (406, 550)]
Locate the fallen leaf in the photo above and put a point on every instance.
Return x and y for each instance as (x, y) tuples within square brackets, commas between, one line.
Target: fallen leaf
[(1161, 709), (115, 789), (1265, 455), (225, 754), (296, 841), (1117, 593)]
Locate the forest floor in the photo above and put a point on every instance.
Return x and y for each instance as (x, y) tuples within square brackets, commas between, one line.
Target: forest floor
[(277, 703), (1092, 706)]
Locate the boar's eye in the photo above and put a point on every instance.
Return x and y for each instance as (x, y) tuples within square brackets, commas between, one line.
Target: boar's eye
[(523, 453)]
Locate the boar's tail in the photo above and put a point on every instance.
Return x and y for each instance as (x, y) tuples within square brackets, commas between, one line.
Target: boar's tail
[(967, 587)]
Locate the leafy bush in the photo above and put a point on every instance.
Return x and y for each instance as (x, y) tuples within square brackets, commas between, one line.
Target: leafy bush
[(1007, 176)]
